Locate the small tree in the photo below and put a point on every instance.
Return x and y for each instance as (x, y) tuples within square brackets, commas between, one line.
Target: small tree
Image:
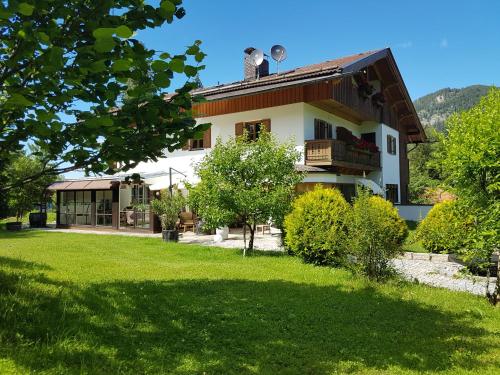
[(168, 208), (471, 158), (252, 182), (376, 233), (24, 197)]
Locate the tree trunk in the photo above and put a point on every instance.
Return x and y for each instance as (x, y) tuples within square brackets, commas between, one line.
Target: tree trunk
[(244, 239), (252, 235)]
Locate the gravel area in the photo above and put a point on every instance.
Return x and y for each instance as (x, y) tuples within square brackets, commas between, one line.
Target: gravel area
[(441, 274)]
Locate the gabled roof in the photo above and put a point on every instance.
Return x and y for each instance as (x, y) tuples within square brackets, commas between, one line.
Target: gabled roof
[(313, 71), (330, 70)]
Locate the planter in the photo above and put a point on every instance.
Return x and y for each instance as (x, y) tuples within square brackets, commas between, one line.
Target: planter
[(170, 235), (14, 225), (221, 234), (38, 219)]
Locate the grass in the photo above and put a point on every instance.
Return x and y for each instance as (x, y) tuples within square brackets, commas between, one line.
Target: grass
[(77, 303), (51, 218), (415, 247)]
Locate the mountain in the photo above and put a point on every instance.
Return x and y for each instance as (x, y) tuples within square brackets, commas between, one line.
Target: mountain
[(433, 109)]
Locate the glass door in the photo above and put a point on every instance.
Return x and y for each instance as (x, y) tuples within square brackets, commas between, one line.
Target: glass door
[(104, 210)]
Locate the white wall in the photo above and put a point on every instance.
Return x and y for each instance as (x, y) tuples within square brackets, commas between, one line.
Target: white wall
[(413, 212), (390, 163), (293, 120)]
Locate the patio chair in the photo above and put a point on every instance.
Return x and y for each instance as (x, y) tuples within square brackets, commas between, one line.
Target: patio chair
[(187, 221)]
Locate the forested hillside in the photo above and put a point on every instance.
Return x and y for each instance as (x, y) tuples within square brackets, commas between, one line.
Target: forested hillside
[(435, 108)]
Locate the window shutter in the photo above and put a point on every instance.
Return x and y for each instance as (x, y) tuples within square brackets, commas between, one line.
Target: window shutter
[(389, 144), (207, 138), (394, 146), (187, 146), (238, 129), (267, 124), (316, 129)]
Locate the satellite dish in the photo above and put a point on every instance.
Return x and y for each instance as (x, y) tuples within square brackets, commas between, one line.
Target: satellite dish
[(256, 57), (278, 53)]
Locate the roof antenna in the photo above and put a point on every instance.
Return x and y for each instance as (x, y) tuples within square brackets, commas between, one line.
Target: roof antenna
[(278, 53)]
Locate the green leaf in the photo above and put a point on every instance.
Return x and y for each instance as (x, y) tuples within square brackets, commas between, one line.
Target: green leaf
[(25, 9), (123, 32), (103, 32), (165, 55), (104, 44), (43, 37), (121, 65), (159, 65), (199, 56), (193, 50), (177, 65), (161, 79), (190, 71), (168, 6), (18, 100), (5, 14), (98, 66)]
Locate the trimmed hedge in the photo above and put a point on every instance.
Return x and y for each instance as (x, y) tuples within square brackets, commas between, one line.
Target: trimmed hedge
[(316, 229), (443, 229)]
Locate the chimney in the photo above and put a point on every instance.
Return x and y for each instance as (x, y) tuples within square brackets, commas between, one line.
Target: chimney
[(252, 72)]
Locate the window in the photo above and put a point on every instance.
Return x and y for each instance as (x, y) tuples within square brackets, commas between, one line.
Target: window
[(391, 145), (391, 193), (322, 129), (104, 210), (201, 143), (75, 208), (252, 128), (196, 144)]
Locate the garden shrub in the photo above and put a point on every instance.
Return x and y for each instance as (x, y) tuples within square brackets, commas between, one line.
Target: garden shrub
[(316, 228), (376, 234), (444, 228)]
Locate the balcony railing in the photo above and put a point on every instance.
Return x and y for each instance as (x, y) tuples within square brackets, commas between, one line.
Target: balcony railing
[(335, 153)]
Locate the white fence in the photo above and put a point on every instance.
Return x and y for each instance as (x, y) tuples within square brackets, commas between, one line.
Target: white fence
[(413, 212)]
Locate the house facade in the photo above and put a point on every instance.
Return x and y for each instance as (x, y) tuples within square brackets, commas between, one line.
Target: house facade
[(351, 119)]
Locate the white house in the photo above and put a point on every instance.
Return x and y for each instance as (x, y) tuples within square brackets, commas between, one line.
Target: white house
[(351, 118)]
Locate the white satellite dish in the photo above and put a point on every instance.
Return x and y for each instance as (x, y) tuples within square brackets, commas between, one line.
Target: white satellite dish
[(278, 53), (256, 57)]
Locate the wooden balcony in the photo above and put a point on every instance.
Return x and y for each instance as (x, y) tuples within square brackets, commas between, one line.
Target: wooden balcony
[(335, 153)]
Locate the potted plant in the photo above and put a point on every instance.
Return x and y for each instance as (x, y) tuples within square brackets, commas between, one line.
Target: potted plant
[(168, 208)]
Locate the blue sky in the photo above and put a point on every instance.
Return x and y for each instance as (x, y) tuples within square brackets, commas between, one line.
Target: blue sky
[(436, 43)]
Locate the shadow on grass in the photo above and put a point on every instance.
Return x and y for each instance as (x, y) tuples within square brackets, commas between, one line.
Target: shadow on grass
[(225, 326)]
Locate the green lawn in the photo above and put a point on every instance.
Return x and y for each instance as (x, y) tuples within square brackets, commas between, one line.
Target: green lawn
[(415, 247), (51, 218), (76, 303)]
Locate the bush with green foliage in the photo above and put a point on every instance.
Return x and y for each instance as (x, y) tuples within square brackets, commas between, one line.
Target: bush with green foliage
[(168, 207), (316, 228), (443, 229), (376, 234)]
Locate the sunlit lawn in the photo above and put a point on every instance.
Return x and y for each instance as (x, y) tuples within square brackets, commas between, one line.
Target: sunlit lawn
[(77, 303)]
